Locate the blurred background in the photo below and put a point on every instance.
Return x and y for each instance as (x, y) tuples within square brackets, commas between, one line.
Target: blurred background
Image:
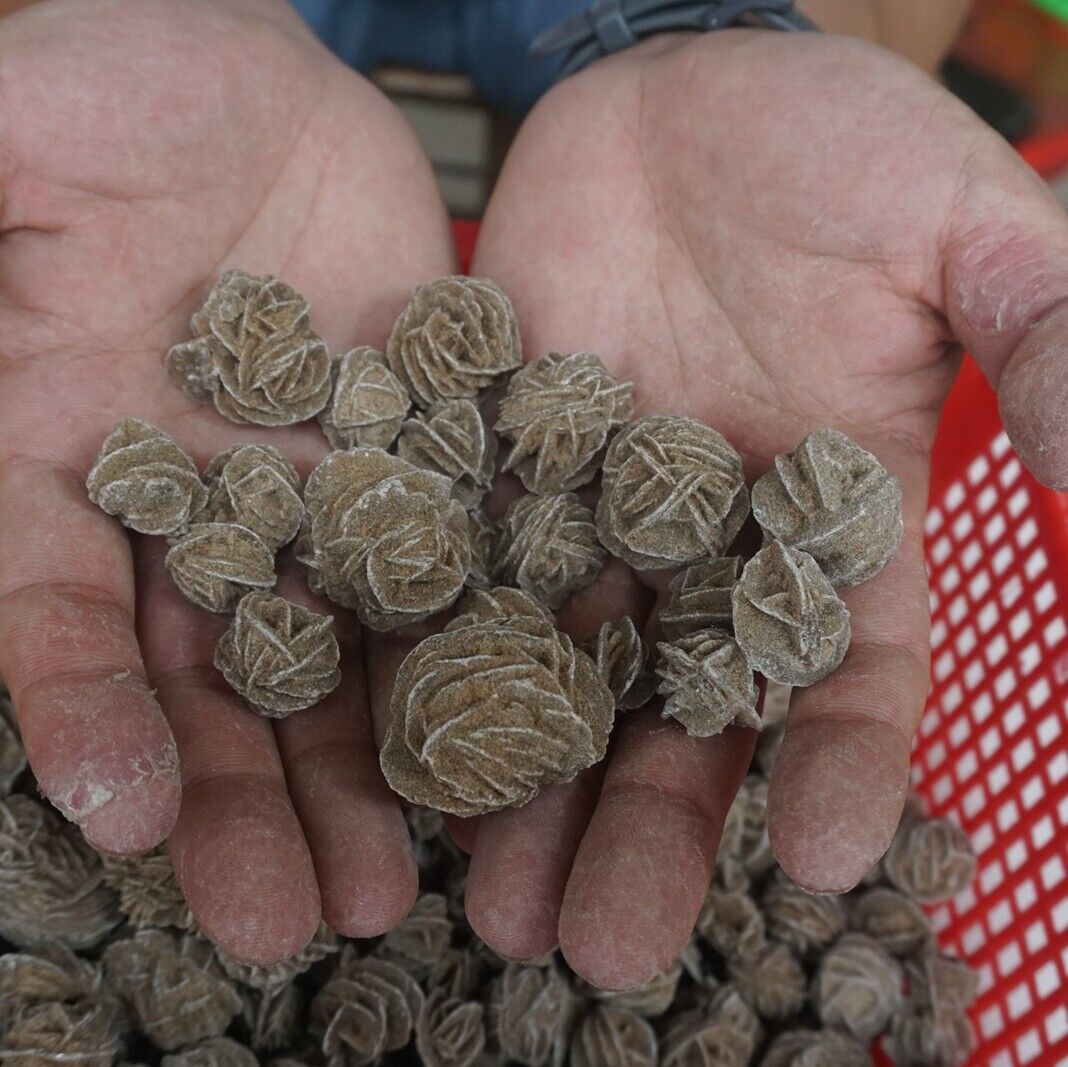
[(1010, 65)]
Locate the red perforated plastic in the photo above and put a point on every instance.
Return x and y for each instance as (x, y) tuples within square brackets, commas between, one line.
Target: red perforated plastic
[(992, 749)]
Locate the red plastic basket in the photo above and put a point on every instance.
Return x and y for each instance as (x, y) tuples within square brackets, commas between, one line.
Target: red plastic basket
[(992, 749)]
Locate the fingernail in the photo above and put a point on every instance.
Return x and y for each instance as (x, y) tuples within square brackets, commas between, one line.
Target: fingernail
[(137, 819)]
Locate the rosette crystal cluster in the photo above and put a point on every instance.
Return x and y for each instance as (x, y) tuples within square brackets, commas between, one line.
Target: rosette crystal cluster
[(403, 516)]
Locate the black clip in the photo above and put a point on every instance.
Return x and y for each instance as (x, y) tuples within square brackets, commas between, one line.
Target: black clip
[(612, 25)]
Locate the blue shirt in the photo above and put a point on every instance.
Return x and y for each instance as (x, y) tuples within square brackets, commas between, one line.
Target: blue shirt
[(486, 39)]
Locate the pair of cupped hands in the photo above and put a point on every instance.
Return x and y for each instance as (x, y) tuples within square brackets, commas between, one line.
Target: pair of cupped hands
[(768, 232)]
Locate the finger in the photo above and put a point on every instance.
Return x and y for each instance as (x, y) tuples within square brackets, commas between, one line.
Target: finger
[(523, 856), (238, 850), (462, 831), (98, 743), (1006, 282), (839, 782), (520, 864), (352, 822), (646, 859), (385, 653)]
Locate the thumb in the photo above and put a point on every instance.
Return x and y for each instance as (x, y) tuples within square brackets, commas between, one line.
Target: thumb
[(1006, 283)]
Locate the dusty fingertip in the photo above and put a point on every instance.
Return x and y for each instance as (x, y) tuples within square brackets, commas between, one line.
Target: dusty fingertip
[(617, 944), (372, 906), (262, 932), (834, 802), (243, 865), (517, 930), (138, 819), (1033, 401), (255, 952), (607, 962), (251, 943)]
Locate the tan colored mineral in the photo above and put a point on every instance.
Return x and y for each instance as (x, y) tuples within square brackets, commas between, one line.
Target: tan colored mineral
[(492, 710), (217, 563), (368, 404), (304, 552), (254, 353), (611, 1037), (365, 1010), (649, 1000), (836, 502), (559, 414), (214, 1052), (806, 922), (484, 535), (450, 1032), (549, 547), (421, 938), (773, 713), (622, 660), (279, 656), (51, 882), (701, 598), (732, 924), (274, 1017), (149, 895), (919, 1039), (933, 1027), (450, 438), (385, 537), (930, 859), (773, 981), (696, 1038), (458, 973), (498, 603), (788, 619), (727, 1004), (858, 987), (274, 976), (941, 982), (255, 486), (530, 1008), (12, 754), (708, 683), (745, 831), (173, 986), (145, 480), (454, 339), (815, 1048), (892, 919), (49, 973), (673, 494), (52, 1035)]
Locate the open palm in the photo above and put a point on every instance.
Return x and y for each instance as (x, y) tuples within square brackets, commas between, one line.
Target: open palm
[(771, 233), (144, 146)]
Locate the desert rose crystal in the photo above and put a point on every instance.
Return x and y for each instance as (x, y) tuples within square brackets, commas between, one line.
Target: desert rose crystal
[(492, 710), (455, 338), (254, 353), (672, 494)]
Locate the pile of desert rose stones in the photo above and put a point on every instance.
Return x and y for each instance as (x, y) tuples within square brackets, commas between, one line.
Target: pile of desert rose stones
[(495, 707), (391, 526)]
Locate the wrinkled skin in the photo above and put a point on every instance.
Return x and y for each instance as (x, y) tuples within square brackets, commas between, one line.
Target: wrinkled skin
[(768, 255), (145, 145)]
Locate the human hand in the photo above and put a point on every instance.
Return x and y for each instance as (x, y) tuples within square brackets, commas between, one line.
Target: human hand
[(770, 233), (145, 145)]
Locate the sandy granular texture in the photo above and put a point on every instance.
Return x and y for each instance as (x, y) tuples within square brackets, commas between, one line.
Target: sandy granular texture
[(771, 974)]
